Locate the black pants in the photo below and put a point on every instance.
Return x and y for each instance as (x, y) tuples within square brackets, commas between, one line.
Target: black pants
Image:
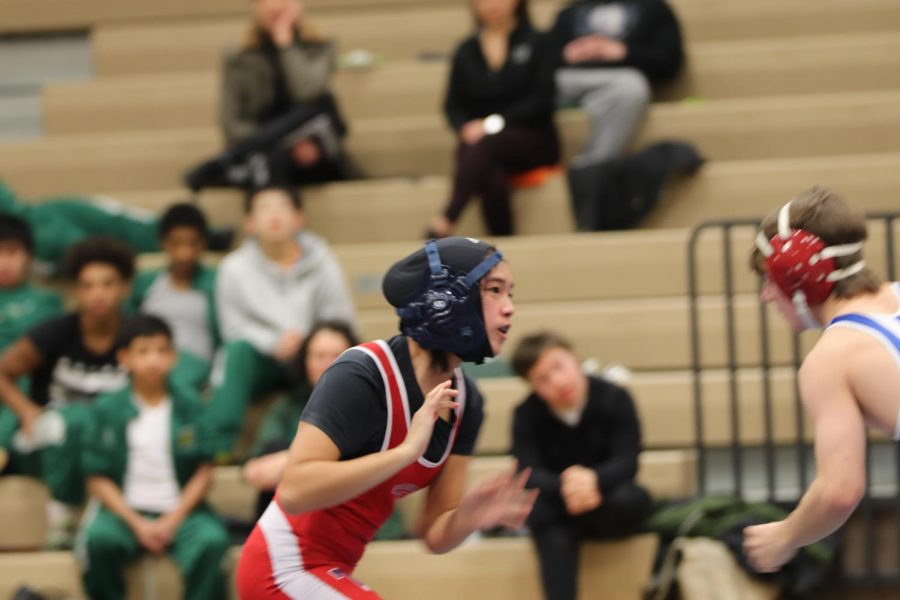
[(557, 535), (483, 169)]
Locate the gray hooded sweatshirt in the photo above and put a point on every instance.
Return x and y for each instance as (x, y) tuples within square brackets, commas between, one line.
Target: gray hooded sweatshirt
[(258, 300)]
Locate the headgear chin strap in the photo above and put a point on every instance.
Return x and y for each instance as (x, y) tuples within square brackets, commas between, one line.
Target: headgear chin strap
[(448, 315), (803, 266)]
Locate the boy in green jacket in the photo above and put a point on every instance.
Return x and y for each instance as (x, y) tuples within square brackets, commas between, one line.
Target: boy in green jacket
[(22, 305), (147, 463), (183, 293)]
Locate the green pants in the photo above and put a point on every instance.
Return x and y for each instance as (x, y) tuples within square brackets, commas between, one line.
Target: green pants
[(246, 374), (61, 465), (191, 371), (107, 545), (19, 463)]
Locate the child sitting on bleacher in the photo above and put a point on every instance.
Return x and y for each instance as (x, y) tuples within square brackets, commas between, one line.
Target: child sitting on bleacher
[(183, 293), (22, 305), (69, 360), (270, 292), (581, 437), (324, 343), (148, 463)]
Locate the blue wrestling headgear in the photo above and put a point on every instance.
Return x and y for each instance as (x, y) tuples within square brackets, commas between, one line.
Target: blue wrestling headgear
[(438, 299)]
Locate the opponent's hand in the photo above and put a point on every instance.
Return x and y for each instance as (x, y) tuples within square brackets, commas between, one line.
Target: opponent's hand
[(422, 424), (501, 500), (767, 547)]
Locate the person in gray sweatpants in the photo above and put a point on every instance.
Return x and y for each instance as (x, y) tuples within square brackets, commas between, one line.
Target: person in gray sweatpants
[(609, 53)]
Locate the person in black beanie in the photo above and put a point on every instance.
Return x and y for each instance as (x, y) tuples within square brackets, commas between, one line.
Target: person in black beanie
[(500, 103), (581, 438), (389, 418)]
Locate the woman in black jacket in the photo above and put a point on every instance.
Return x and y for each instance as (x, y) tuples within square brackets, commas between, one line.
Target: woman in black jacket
[(500, 102)]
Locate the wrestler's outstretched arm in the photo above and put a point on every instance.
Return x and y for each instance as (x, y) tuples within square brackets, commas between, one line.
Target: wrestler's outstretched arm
[(840, 446)]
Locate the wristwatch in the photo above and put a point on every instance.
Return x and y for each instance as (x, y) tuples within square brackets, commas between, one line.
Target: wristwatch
[(494, 124)]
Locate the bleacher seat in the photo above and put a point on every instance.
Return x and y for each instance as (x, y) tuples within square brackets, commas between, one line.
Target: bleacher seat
[(739, 69), (505, 569), (783, 127), (55, 573), (23, 514)]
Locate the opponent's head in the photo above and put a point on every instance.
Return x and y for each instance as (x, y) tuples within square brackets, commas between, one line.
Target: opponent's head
[(455, 296), (810, 250)]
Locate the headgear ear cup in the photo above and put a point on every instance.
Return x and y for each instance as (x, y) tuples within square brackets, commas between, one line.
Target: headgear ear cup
[(447, 316), (803, 266)]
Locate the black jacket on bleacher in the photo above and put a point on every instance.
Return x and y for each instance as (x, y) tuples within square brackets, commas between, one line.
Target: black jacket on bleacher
[(607, 439), (522, 90), (648, 28)]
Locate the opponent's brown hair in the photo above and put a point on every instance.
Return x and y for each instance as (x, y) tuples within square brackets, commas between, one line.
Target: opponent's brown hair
[(828, 215)]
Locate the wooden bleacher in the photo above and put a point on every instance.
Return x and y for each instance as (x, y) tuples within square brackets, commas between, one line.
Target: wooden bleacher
[(390, 209), (47, 15), (504, 569), (716, 70), (724, 130), (50, 572), (142, 47)]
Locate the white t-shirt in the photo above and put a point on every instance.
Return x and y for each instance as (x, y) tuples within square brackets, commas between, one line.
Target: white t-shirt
[(150, 482)]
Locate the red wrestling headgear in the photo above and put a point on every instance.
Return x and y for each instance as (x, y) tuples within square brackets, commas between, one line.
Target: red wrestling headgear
[(802, 265)]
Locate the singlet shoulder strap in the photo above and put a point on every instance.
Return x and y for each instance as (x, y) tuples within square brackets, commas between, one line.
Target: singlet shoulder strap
[(395, 397), (461, 399), (886, 330)]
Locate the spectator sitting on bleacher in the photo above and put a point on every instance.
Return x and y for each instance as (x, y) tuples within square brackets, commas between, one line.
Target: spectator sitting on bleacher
[(270, 292), (148, 464), (321, 347), (608, 52), (284, 65), (69, 360), (581, 437), (22, 306), (60, 222), (183, 293), (499, 103)]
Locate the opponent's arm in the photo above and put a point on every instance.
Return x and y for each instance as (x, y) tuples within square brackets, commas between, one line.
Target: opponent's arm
[(840, 447)]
